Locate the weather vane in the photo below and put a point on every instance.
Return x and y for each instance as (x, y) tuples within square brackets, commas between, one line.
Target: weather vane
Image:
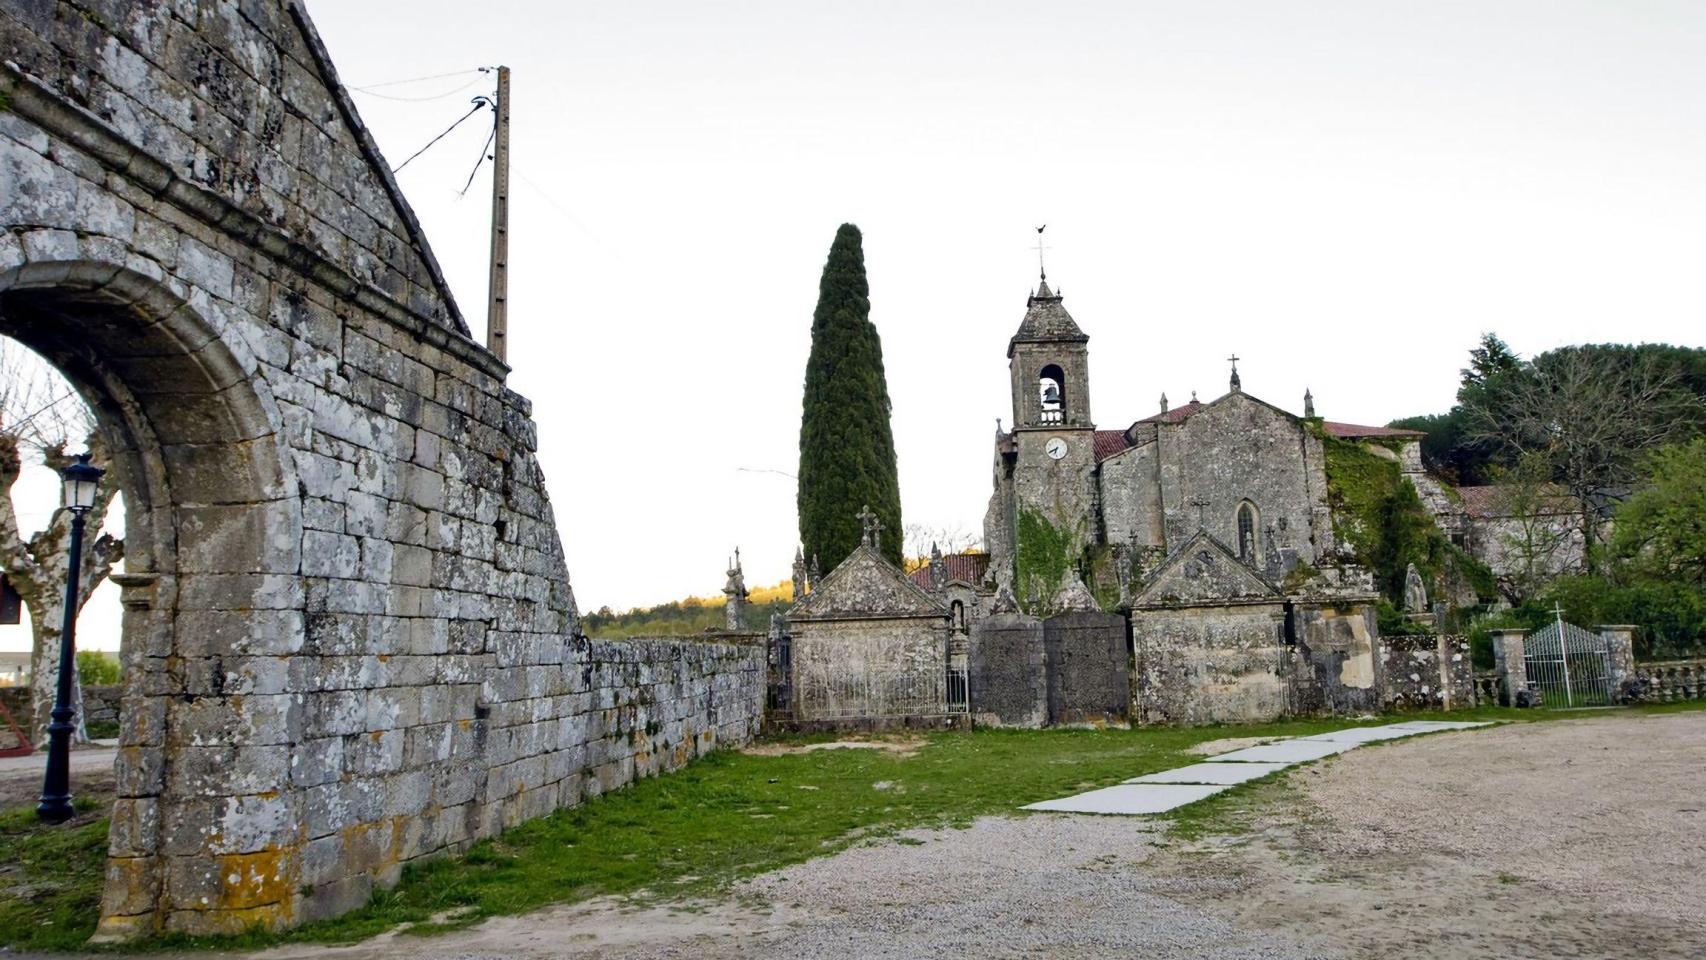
[(1040, 248)]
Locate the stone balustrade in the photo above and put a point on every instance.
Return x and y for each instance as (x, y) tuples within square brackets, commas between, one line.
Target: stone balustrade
[(1667, 681)]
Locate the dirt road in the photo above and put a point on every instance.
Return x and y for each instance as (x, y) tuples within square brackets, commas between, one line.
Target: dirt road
[(1576, 838)]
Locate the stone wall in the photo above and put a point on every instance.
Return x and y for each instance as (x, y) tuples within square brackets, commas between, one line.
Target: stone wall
[(1088, 669), (1427, 673), (1239, 449), (1197, 665), (349, 637), (1337, 669), (1008, 677), (101, 703)]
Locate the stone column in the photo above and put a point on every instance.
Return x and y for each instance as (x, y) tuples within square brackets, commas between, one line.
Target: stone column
[(1507, 659), (1619, 657)]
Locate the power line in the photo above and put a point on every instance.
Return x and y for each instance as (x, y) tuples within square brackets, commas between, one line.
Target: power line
[(436, 76), (489, 138), (478, 103), (436, 96)]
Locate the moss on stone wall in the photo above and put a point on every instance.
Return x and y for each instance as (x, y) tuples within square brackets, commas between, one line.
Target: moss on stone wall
[(1104, 579), (1042, 554), (1380, 516), (1358, 482)]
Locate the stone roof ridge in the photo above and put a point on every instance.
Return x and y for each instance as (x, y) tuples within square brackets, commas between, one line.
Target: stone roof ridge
[(376, 163), (1202, 538), (1046, 320), (913, 599)]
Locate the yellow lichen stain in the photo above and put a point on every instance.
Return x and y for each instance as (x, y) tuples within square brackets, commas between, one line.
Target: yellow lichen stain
[(255, 882)]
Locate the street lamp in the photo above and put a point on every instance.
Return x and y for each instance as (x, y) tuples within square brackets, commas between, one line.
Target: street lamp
[(80, 479)]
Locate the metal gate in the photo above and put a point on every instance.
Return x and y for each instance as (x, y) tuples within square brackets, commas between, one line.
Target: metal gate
[(1568, 666)]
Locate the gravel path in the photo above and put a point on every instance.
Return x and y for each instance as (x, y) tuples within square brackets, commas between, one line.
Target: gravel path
[(1579, 838)]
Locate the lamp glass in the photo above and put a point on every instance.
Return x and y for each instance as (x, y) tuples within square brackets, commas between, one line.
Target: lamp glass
[(80, 481)]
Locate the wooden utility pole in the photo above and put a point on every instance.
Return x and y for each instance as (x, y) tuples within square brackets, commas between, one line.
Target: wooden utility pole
[(497, 310)]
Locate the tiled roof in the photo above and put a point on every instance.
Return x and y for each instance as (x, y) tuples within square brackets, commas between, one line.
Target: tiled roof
[(1495, 500), (969, 567), (1176, 414), (1353, 431), (1110, 442)]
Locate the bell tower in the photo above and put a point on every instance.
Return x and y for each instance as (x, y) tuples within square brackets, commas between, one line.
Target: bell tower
[(1052, 450), (1049, 362)]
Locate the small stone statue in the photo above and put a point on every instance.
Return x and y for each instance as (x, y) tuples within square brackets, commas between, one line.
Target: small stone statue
[(1415, 593)]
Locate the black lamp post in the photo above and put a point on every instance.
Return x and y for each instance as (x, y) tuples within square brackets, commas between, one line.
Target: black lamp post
[(80, 480)]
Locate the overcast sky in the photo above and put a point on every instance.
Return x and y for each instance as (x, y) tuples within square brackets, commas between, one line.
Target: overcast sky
[(1347, 194)]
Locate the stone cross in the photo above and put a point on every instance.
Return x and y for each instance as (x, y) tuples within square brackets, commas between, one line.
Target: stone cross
[(872, 527), (1202, 504)]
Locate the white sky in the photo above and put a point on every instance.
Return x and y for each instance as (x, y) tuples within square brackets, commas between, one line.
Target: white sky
[(1344, 193)]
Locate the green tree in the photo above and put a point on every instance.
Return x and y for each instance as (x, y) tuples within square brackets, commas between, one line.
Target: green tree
[(847, 458), (1592, 412), (1487, 362), (97, 667), (1661, 529)]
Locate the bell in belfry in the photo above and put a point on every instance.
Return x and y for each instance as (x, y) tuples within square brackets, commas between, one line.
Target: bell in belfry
[(1051, 394)]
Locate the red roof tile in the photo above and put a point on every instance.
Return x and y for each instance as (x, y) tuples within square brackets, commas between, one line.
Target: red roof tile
[(969, 567), (1352, 431), (1110, 442), (1176, 414)]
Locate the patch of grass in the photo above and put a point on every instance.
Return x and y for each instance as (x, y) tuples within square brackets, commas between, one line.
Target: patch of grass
[(50, 878), (694, 832), (735, 815)]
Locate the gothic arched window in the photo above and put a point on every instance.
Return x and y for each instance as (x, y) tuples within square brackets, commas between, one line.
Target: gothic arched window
[(1051, 391), (1247, 532)]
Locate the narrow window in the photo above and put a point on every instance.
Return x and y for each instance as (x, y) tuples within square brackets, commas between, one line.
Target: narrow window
[(1247, 532), (959, 611)]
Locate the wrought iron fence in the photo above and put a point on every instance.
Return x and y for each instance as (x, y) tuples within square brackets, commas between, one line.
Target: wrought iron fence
[(1568, 666), (959, 699)]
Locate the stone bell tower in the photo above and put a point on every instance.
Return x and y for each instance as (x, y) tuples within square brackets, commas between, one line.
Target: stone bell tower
[(1053, 439)]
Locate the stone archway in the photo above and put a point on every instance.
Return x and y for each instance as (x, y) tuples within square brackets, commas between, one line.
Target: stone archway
[(211, 597)]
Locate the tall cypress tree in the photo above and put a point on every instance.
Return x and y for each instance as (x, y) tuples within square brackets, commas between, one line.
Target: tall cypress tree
[(846, 446)]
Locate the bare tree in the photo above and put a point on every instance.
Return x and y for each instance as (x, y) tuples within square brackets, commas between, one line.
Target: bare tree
[(1589, 412), (1535, 529), (920, 538), (39, 414)]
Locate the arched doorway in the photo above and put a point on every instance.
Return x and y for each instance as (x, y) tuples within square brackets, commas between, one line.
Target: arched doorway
[(211, 600)]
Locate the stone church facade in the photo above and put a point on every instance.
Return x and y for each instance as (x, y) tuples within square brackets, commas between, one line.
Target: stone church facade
[(1207, 524)]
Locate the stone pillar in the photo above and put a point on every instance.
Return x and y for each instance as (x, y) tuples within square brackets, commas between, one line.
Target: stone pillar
[(1513, 673), (1619, 658)]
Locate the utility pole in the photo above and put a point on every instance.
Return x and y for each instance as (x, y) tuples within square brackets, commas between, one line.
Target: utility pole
[(497, 310)]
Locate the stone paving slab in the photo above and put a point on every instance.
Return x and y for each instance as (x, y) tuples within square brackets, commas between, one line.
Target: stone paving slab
[(1224, 774), (1287, 751), (1131, 798), (1365, 734), (1171, 789)]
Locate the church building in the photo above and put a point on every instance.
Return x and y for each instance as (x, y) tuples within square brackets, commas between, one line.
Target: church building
[(1207, 524), (1186, 568)]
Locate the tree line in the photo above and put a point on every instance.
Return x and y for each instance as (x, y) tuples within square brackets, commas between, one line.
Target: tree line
[(1614, 436)]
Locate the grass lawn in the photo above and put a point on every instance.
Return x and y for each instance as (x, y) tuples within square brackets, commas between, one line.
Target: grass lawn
[(725, 817)]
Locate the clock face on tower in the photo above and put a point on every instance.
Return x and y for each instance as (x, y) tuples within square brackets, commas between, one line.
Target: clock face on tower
[(1056, 448)]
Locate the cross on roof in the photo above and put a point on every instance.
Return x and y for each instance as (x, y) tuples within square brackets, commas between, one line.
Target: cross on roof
[(871, 526), (1040, 248), (1202, 504)]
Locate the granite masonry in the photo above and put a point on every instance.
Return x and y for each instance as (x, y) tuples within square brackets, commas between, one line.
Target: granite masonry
[(349, 636)]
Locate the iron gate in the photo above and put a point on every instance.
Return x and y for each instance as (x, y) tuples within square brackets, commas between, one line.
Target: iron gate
[(1568, 666)]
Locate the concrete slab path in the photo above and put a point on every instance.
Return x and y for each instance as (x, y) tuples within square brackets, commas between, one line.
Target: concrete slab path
[(1172, 789)]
